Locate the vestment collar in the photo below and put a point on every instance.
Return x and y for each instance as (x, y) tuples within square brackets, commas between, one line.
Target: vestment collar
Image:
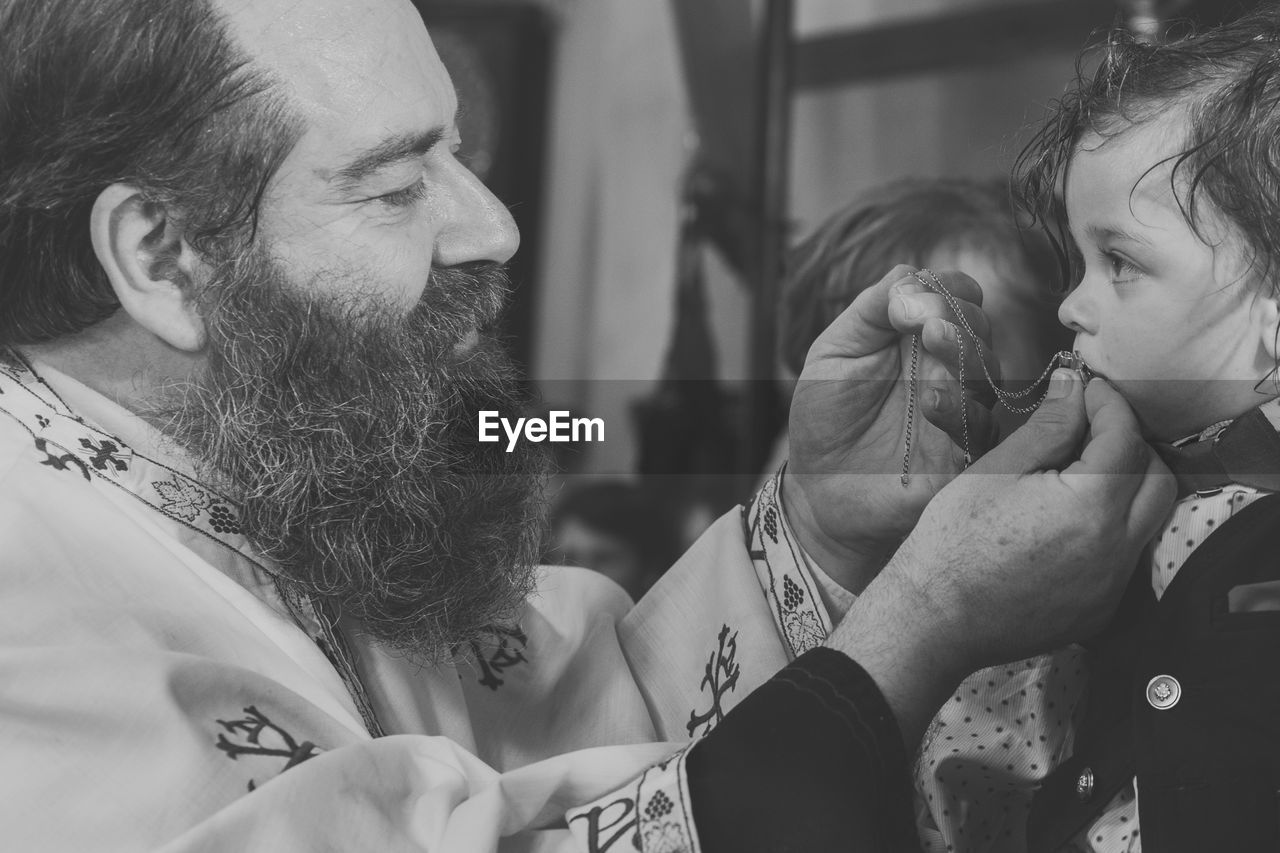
[(68, 442)]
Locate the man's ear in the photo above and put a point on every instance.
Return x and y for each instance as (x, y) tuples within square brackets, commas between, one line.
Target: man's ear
[(152, 268)]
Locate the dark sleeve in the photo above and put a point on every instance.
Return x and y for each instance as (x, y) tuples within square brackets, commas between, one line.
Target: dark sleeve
[(811, 761)]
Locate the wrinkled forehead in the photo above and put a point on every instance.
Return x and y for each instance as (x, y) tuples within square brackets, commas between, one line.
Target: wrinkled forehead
[(367, 62)]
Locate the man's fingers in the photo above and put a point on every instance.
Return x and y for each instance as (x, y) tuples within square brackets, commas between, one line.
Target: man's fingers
[(900, 302), (864, 327), (911, 311), (958, 284), (1049, 439), (940, 404), (1115, 445), (1155, 496), (945, 343), (1116, 466)]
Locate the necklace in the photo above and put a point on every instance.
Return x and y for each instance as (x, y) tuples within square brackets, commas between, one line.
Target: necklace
[(1014, 401)]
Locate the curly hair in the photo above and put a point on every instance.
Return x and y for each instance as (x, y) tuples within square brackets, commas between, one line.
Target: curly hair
[(152, 93), (1226, 81), (904, 221)]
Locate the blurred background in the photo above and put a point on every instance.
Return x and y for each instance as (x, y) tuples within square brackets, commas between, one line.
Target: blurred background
[(663, 157)]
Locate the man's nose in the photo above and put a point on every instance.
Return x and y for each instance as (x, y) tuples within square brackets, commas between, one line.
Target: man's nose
[(477, 226)]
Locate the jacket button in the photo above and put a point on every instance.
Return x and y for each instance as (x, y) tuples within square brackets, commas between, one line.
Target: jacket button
[(1084, 785), (1163, 692)]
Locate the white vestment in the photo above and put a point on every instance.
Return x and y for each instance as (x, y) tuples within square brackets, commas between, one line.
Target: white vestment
[(156, 692)]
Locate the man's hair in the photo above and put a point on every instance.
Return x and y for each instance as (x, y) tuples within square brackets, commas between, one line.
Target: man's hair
[(1227, 83), (902, 222), (151, 93)]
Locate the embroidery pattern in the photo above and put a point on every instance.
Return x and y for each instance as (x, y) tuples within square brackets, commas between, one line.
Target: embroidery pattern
[(181, 499), (721, 675), (184, 499), (655, 815), (606, 825), (659, 834), (106, 455), (61, 462), (68, 443), (771, 523), (800, 623), (10, 367), (502, 649), (250, 730), (792, 595)]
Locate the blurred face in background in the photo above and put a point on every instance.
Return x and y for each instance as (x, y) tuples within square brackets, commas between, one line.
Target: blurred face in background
[(1024, 328), (943, 224), (579, 544)]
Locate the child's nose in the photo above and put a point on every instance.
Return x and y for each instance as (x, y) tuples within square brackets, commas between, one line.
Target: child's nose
[(1074, 311)]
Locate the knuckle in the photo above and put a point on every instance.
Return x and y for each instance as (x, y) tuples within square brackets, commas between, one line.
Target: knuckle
[(1048, 421), (1134, 456)]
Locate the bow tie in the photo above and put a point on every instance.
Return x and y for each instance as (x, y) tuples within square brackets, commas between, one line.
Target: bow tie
[(1246, 452)]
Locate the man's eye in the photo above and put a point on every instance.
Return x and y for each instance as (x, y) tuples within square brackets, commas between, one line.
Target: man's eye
[(405, 197)]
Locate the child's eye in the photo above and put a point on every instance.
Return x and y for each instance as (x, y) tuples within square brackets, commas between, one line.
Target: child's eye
[(405, 197), (1122, 269)]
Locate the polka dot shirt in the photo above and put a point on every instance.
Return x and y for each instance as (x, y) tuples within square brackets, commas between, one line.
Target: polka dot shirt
[(1008, 727)]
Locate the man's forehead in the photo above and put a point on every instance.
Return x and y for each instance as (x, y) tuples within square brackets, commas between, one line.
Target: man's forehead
[(345, 57)]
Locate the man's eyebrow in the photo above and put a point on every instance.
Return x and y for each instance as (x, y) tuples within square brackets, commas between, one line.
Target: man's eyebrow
[(389, 152)]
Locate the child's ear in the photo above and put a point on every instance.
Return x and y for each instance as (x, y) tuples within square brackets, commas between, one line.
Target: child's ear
[(1267, 308), (151, 267)]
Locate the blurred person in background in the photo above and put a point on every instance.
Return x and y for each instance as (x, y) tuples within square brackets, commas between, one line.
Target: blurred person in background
[(941, 223), (614, 528)]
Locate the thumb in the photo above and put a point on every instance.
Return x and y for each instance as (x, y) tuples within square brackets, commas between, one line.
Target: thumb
[(1051, 438)]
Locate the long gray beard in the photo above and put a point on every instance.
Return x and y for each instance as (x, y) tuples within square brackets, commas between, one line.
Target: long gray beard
[(349, 433)]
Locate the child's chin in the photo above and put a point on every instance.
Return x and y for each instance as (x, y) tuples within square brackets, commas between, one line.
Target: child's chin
[(1153, 414), (1165, 421)]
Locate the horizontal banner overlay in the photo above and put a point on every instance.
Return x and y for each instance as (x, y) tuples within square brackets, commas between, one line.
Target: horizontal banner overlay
[(857, 428)]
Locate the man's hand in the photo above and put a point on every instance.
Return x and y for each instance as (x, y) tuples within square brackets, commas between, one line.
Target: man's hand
[(1029, 549), (843, 487)]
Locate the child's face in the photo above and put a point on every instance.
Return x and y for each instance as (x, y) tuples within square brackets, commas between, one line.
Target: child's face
[(1171, 321)]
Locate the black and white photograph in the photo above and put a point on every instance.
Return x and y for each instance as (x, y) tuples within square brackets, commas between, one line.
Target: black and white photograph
[(639, 426)]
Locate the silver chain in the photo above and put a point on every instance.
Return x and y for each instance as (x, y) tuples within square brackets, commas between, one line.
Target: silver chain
[(1004, 397), (911, 406)]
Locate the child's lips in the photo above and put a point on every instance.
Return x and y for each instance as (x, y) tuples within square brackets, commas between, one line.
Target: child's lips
[(1075, 361)]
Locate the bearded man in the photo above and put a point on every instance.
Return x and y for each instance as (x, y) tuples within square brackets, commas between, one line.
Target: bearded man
[(262, 588)]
